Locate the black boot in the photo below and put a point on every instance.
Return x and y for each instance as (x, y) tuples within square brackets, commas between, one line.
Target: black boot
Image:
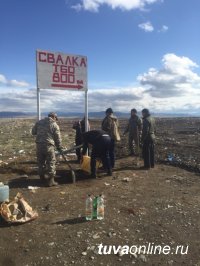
[(109, 172), (52, 182)]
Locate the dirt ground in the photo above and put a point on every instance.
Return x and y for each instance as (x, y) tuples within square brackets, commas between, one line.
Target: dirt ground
[(157, 207)]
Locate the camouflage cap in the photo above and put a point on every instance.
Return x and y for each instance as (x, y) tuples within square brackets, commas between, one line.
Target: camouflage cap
[(53, 115)]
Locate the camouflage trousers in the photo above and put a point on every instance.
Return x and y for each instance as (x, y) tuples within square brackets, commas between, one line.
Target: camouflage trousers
[(133, 143), (46, 160)]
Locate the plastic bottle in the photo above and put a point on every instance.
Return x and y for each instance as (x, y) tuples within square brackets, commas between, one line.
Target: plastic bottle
[(100, 207), (4, 192), (89, 208)]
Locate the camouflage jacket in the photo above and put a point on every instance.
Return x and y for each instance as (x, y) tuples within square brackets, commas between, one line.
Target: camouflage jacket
[(148, 129), (108, 125), (134, 125), (47, 132)]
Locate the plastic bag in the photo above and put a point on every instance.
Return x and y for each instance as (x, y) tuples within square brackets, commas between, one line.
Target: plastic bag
[(17, 211)]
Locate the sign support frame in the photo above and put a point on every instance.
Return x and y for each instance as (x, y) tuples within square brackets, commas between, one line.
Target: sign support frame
[(39, 103), (86, 110)]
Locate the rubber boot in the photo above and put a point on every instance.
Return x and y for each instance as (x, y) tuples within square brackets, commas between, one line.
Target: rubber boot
[(109, 172), (52, 182)]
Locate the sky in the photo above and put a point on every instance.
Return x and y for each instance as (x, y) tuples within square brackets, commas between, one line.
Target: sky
[(140, 53)]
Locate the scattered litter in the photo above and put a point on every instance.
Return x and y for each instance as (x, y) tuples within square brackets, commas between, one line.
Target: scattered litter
[(126, 179), (51, 244), (110, 234), (33, 189), (143, 258), (46, 208), (71, 154), (96, 236), (84, 253), (106, 184), (62, 192), (21, 151), (59, 255), (23, 176), (121, 252)]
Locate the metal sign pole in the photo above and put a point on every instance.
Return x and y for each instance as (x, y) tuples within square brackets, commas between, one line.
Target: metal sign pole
[(38, 91), (86, 110), (38, 104), (86, 113)]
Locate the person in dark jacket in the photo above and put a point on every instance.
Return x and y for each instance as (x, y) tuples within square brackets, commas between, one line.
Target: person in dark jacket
[(134, 128), (100, 142), (148, 139), (79, 127)]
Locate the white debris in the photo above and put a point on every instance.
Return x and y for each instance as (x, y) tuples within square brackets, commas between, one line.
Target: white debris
[(30, 187), (143, 258), (126, 179), (51, 244), (96, 236), (84, 253)]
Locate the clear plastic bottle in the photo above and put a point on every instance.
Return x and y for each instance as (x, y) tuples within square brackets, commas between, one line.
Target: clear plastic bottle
[(100, 207), (89, 208), (4, 192)]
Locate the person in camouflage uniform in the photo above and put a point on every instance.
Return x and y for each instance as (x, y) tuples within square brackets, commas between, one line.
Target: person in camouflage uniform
[(110, 125), (47, 138), (148, 139), (134, 127)]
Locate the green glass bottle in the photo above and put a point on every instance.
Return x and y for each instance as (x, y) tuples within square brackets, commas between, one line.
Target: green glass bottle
[(95, 207)]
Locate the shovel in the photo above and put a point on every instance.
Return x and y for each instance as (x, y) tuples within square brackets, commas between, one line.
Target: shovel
[(72, 171), (65, 159)]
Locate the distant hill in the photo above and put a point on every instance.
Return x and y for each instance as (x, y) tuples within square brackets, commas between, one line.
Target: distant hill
[(61, 114), (15, 114), (91, 114)]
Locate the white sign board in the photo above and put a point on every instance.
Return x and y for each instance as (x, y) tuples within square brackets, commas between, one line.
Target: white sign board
[(61, 71)]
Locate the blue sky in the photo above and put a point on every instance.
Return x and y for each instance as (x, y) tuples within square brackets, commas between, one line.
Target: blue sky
[(141, 53)]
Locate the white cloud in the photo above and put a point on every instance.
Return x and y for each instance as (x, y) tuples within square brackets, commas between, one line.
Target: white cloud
[(2, 79), (173, 88), (12, 83), (164, 28), (147, 26), (94, 5), (175, 79)]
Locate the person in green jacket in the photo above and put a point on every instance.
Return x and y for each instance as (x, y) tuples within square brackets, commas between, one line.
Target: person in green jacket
[(148, 139), (134, 128)]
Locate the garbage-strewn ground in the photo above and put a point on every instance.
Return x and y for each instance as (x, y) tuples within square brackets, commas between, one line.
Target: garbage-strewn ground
[(160, 206)]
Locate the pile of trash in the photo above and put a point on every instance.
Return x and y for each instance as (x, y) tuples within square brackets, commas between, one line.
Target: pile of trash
[(17, 211)]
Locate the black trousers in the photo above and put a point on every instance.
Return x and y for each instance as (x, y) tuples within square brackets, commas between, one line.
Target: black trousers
[(148, 153), (101, 150), (78, 142)]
